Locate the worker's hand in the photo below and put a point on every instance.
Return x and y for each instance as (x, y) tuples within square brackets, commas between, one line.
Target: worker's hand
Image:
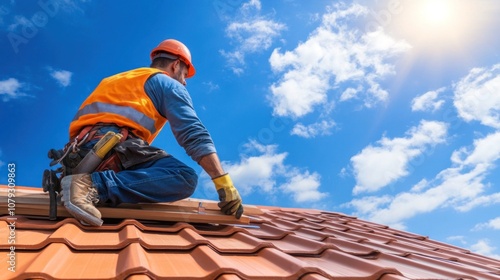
[(230, 200)]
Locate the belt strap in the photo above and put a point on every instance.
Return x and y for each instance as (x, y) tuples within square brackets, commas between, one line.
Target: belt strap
[(88, 133)]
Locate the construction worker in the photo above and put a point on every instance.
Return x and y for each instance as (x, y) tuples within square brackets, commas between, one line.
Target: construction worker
[(137, 104)]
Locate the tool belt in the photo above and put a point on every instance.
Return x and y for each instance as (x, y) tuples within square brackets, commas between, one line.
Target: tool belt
[(89, 151), (96, 148), (116, 148), (76, 153)]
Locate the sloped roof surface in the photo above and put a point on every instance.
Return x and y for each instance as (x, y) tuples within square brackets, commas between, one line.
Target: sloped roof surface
[(281, 244)]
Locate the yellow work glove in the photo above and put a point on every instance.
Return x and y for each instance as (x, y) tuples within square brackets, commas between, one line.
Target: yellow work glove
[(230, 200)]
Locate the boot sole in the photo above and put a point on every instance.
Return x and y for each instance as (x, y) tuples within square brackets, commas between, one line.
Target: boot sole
[(80, 214)]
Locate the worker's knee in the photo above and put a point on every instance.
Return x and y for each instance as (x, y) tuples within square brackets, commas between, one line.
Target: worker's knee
[(191, 181)]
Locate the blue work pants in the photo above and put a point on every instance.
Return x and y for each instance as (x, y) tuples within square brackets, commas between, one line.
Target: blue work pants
[(164, 180)]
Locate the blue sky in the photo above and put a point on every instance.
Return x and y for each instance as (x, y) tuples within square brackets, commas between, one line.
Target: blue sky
[(387, 110)]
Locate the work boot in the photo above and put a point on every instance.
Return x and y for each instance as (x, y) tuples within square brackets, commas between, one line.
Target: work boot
[(80, 197)]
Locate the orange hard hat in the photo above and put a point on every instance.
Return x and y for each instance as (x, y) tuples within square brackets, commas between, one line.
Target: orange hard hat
[(178, 49)]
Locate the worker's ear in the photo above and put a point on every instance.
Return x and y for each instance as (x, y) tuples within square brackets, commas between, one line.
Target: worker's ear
[(175, 65)]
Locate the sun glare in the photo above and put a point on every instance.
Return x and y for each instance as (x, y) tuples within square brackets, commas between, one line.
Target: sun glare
[(439, 31), (437, 12), (439, 26)]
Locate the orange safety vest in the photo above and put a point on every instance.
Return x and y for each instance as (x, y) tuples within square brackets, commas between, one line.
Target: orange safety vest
[(121, 100)]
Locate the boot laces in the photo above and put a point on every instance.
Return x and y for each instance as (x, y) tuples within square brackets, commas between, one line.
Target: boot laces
[(92, 196)]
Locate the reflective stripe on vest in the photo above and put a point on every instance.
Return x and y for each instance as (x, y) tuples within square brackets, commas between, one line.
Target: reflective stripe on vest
[(129, 113)]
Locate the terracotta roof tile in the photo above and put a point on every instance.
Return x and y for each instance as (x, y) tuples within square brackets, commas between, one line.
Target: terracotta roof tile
[(237, 243), (298, 245), (311, 234), (335, 226), (313, 276), (138, 277), (229, 277), (340, 265), (392, 277), (267, 231), (352, 248), (415, 266), (282, 244)]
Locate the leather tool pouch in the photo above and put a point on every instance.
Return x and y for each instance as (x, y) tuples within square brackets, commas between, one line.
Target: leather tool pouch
[(135, 151)]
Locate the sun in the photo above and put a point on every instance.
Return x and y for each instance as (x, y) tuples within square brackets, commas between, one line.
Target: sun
[(437, 12), (440, 26), (440, 32)]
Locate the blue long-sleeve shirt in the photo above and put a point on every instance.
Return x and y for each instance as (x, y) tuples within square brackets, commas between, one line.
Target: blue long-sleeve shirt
[(173, 102)]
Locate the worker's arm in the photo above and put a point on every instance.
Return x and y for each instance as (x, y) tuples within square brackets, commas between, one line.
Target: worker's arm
[(172, 100), (230, 200), (211, 164)]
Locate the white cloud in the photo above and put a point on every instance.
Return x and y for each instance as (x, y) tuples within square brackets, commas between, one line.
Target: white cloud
[(459, 238), (454, 188), (255, 35), (420, 186), (211, 86), (334, 53), (476, 96), (235, 60), (460, 187), (257, 172), (251, 33), (494, 223), (63, 77), (483, 247), (304, 187), (483, 201), (313, 130), (368, 204), (491, 224), (297, 93), (265, 171), (486, 150), (249, 6), (350, 93), (377, 166), (428, 101), (10, 89)]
